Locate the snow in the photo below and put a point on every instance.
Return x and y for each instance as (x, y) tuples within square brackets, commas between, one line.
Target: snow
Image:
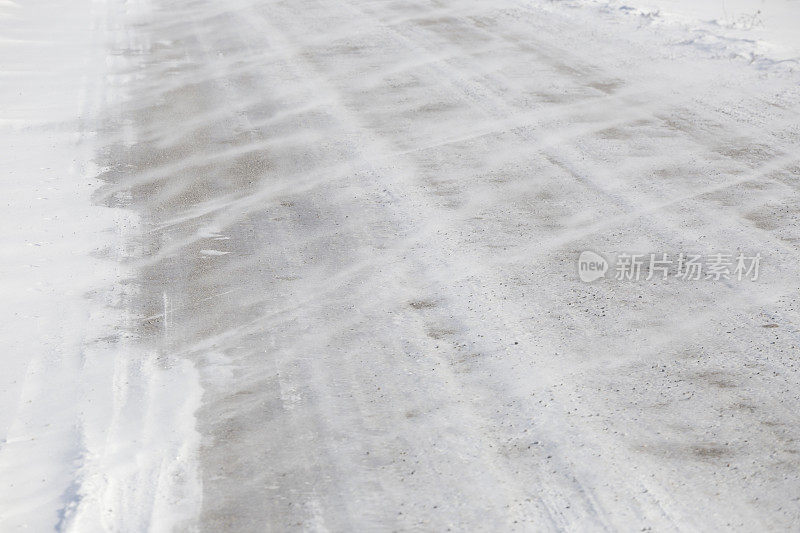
[(760, 31), (312, 265), (91, 429)]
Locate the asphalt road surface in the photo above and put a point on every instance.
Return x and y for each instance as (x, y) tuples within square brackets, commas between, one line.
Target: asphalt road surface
[(361, 220)]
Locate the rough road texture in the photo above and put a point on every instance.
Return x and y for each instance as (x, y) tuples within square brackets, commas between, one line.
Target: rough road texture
[(361, 222)]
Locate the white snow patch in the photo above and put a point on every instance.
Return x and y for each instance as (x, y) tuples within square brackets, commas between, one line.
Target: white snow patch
[(213, 252), (762, 32)]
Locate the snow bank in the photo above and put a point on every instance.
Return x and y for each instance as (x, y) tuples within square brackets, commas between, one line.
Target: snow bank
[(762, 32), (95, 431)]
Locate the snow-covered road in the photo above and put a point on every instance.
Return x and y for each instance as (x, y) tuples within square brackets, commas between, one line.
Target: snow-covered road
[(345, 234)]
